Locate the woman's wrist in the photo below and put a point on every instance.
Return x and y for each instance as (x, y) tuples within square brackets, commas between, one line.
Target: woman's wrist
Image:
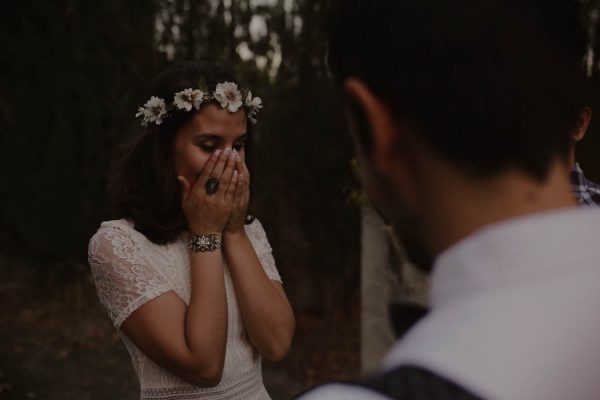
[(232, 236), (205, 230)]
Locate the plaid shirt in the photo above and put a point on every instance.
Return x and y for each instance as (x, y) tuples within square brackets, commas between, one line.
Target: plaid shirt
[(586, 191)]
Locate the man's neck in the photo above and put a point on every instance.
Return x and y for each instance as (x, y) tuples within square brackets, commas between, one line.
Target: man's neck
[(571, 158), (462, 206)]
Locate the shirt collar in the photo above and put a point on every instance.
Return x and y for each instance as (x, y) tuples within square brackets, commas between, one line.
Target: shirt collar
[(514, 311), (519, 251)]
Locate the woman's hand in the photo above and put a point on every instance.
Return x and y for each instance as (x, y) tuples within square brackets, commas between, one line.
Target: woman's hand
[(241, 198), (209, 213)]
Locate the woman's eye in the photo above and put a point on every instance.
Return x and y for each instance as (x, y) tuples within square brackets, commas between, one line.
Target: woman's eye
[(207, 148), (239, 146)]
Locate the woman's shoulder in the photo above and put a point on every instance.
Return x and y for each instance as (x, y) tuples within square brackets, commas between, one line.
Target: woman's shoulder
[(123, 233), (120, 231), (122, 224)]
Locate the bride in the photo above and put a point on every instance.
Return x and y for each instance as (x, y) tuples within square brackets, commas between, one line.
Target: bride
[(185, 273)]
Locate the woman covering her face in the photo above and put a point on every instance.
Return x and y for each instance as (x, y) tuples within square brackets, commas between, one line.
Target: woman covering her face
[(185, 273)]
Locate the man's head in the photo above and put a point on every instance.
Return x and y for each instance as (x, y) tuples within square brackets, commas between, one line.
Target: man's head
[(483, 85)]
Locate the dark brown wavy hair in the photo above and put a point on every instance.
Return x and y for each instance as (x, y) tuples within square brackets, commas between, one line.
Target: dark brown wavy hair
[(143, 186), (488, 84)]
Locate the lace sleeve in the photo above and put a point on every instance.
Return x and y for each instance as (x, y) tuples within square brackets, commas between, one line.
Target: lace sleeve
[(263, 250), (124, 277)]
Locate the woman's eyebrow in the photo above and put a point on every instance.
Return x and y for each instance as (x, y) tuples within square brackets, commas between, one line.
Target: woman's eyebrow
[(212, 136), (209, 136)]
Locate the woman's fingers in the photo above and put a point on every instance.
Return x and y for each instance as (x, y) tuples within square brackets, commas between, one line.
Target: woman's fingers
[(207, 172), (231, 189), (241, 187), (185, 187), (246, 173), (238, 189), (229, 168), (221, 164)]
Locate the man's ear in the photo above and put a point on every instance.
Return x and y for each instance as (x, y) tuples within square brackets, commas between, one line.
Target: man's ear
[(584, 122), (380, 120)]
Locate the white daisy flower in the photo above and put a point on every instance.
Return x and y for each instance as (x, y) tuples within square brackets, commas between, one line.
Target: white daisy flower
[(252, 105), (188, 98), (228, 95), (142, 114), (154, 110)]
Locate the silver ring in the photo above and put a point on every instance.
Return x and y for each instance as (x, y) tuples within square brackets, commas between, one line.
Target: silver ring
[(212, 185)]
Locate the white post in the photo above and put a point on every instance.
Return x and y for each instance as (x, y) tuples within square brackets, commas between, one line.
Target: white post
[(380, 286)]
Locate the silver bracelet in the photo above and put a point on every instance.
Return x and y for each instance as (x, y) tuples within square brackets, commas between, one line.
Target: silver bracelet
[(204, 243)]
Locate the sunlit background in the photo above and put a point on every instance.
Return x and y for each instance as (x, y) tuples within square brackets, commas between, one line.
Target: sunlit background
[(72, 75)]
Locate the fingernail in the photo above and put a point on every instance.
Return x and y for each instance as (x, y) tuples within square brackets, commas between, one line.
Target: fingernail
[(217, 152), (227, 151), (236, 155)]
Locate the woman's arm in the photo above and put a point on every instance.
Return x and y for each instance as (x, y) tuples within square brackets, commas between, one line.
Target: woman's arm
[(190, 340), (263, 304)]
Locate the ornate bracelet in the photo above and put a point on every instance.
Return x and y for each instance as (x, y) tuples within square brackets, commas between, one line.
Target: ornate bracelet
[(204, 243)]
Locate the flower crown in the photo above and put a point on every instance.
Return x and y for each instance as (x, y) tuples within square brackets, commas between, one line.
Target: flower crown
[(226, 94)]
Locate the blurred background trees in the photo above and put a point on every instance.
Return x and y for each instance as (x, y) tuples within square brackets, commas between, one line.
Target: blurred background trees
[(73, 73)]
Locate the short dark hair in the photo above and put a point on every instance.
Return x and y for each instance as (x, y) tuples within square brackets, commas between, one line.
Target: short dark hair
[(489, 84), (143, 185)]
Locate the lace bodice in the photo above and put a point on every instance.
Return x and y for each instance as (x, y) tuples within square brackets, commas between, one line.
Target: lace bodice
[(129, 270)]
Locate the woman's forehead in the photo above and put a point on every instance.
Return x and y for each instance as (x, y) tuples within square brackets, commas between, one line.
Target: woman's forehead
[(214, 120)]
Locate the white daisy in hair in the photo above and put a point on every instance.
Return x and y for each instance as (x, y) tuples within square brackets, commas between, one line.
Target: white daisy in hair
[(153, 111), (252, 105), (188, 98), (142, 114), (228, 95)]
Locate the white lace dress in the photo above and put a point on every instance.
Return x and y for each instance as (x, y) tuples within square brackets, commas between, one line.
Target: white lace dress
[(129, 270)]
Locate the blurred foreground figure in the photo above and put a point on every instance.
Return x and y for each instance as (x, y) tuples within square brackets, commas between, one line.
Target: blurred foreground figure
[(462, 113)]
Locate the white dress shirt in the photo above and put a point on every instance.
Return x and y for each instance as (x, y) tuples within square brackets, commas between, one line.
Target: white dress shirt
[(515, 312)]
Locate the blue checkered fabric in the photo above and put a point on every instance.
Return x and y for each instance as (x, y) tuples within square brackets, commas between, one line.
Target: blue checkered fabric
[(586, 191)]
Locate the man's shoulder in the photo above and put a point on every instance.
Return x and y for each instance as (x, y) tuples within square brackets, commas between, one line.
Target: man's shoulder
[(401, 383)]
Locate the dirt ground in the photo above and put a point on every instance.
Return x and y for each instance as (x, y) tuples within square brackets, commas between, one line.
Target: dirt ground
[(60, 345)]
